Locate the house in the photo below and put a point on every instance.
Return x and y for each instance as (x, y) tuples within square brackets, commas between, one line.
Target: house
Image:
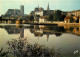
[(42, 19), (79, 19), (67, 19), (74, 13), (75, 19)]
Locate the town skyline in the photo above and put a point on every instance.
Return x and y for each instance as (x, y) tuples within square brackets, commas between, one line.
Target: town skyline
[(30, 5)]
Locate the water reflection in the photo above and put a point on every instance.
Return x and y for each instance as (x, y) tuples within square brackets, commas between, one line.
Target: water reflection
[(11, 29), (73, 30), (66, 38), (18, 29), (40, 30)]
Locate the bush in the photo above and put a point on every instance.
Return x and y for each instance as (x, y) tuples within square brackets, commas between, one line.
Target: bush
[(22, 48)]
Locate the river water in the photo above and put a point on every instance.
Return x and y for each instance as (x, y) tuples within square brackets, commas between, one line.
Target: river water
[(65, 39)]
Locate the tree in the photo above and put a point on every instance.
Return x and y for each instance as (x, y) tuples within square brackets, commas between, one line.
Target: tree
[(71, 19), (77, 20), (62, 17), (0, 18), (57, 15), (50, 17), (31, 18), (22, 48)]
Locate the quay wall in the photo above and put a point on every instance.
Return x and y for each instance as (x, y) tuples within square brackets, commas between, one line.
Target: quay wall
[(69, 24)]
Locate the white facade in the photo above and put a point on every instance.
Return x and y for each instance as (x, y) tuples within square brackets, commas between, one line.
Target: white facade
[(39, 13), (41, 20)]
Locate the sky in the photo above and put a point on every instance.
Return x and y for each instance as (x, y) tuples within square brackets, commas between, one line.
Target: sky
[(29, 5)]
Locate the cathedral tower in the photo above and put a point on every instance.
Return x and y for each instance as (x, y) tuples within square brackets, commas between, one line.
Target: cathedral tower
[(48, 7), (22, 10)]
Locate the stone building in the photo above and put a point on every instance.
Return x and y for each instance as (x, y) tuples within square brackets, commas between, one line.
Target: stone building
[(75, 18), (74, 13), (15, 12), (67, 19), (12, 12), (42, 19), (22, 10), (41, 12)]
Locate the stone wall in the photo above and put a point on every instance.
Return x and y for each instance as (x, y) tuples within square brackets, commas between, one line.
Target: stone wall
[(79, 20)]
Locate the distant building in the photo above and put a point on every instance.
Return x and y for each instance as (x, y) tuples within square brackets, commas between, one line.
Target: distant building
[(64, 13), (22, 9), (41, 12), (48, 7), (74, 13), (15, 12), (12, 12), (67, 19)]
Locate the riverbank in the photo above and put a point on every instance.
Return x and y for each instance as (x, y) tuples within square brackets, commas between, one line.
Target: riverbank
[(69, 24), (58, 23), (41, 23), (52, 23)]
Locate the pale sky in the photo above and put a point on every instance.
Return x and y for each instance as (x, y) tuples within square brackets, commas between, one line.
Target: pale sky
[(29, 5)]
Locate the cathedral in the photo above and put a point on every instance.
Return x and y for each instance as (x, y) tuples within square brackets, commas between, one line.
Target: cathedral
[(41, 12)]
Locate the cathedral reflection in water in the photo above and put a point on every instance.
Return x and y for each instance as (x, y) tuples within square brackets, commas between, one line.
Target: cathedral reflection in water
[(40, 30)]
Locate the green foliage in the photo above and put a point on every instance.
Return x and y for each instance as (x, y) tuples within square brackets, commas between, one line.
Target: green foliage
[(57, 15), (7, 15), (71, 29), (62, 17), (22, 48), (0, 18), (2, 54), (13, 22), (50, 17), (31, 18), (71, 19), (77, 20)]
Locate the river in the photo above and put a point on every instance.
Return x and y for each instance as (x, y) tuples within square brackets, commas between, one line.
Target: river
[(65, 39)]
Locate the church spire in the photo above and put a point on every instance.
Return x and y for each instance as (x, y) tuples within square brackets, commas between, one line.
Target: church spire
[(48, 7)]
